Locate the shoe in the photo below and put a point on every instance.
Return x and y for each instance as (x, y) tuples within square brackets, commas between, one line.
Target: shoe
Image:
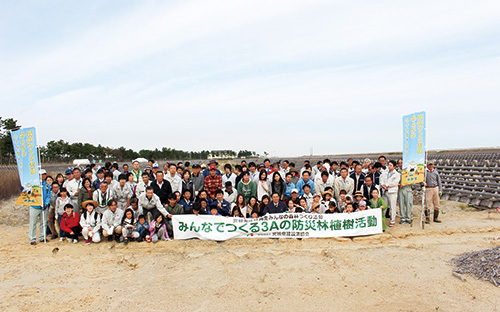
[(75, 241), (427, 220), (69, 239), (41, 240), (117, 239), (60, 239), (148, 238), (392, 223), (53, 236), (139, 239), (87, 241), (33, 243), (110, 238), (402, 221), (125, 242), (436, 214)]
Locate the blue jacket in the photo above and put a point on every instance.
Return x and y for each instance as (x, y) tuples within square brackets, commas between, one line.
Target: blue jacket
[(226, 207), (46, 196), (206, 173), (301, 184), (288, 192), (188, 208)]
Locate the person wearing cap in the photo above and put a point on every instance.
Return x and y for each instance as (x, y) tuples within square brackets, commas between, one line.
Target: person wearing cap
[(358, 197), (198, 180), (289, 185), (389, 182), (99, 180), (69, 177), (361, 206), (230, 193), (294, 197), (275, 205), (247, 187), (173, 178), (90, 221), (358, 177), (141, 186), (324, 180), (228, 175), (111, 221), (326, 198), (40, 213), (433, 191), (213, 182), (206, 172), (122, 193), (343, 182), (405, 198), (305, 180), (102, 195), (154, 170)]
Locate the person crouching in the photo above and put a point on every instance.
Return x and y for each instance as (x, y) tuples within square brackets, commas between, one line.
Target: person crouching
[(90, 221), (70, 224)]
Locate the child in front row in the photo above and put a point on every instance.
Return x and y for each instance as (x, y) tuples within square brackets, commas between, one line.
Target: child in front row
[(62, 200), (128, 226), (70, 224), (142, 228), (158, 229)]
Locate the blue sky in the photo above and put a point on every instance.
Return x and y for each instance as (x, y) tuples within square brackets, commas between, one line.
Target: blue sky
[(275, 76)]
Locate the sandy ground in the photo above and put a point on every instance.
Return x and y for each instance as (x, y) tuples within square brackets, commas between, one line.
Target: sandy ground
[(404, 269)]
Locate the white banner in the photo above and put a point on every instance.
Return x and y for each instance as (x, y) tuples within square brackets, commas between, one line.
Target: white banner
[(287, 225)]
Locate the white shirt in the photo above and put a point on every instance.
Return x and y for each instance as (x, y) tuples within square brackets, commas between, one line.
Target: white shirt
[(232, 178), (74, 186), (175, 182)]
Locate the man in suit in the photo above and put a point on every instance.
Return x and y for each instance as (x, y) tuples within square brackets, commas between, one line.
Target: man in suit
[(358, 176), (161, 188)]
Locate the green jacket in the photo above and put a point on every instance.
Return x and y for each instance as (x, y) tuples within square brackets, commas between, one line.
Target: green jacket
[(176, 210), (248, 190)]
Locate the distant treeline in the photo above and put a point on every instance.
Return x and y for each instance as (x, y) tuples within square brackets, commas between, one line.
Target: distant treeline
[(62, 151)]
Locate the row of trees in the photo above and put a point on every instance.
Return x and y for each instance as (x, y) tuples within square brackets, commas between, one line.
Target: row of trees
[(62, 151)]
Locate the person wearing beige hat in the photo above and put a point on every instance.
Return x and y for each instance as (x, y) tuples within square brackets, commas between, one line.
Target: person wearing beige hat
[(433, 191)]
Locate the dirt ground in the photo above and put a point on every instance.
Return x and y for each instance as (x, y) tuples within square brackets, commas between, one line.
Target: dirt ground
[(404, 269)]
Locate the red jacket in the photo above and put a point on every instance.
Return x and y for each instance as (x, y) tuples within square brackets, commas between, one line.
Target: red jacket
[(70, 221)]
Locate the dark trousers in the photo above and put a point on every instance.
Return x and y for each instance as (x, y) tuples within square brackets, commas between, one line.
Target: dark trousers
[(76, 232)]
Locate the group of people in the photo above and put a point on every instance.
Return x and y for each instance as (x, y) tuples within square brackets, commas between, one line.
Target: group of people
[(124, 204)]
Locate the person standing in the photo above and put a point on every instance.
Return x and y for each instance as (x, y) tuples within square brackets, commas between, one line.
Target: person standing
[(213, 182), (433, 191), (405, 198), (389, 182), (40, 213)]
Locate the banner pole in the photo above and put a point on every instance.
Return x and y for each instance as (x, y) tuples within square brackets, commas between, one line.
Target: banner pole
[(44, 225)]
